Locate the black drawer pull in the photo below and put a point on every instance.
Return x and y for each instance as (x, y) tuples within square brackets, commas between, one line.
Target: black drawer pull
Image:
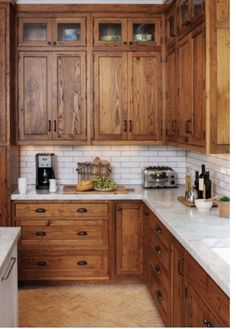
[(158, 230), (159, 295), (82, 210), (207, 323), (158, 250), (41, 263), (40, 210), (82, 233), (157, 269), (40, 233), (82, 263)]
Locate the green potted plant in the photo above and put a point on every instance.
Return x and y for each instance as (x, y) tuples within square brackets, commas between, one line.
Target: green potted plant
[(224, 207)]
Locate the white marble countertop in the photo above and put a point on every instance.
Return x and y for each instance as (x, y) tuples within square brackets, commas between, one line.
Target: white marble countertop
[(204, 235), (8, 238)]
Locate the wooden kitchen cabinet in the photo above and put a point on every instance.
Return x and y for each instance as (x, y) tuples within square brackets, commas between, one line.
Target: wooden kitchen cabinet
[(129, 239), (130, 109), (51, 32), (171, 25), (52, 96), (3, 76), (3, 186)]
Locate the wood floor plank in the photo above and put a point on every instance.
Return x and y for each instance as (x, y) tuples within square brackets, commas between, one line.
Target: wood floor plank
[(87, 306)]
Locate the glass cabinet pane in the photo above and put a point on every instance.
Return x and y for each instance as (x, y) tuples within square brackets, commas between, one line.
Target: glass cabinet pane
[(197, 7), (184, 12), (143, 32), (35, 32), (171, 26), (68, 31), (110, 32)]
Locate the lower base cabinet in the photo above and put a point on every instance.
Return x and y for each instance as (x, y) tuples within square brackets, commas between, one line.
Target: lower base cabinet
[(104, 241), (8, 292)]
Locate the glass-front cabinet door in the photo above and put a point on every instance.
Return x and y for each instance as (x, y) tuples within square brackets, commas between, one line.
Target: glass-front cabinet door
[(184, 13), (144, 32), (197, 7), (110, 32), (69, 32), (35, 31)]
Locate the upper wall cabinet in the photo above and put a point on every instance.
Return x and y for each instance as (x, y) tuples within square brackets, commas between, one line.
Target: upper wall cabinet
[(188, 12), (52, 31), (127, 32)]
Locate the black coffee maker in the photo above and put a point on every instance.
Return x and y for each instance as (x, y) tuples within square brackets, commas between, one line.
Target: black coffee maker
[(44, 170)]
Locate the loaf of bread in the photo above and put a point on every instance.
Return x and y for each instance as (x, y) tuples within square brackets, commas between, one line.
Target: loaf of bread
[(84, 185)]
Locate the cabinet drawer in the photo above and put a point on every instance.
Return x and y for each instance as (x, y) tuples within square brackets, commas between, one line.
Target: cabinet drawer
[(158, 249), (45, 210), (159, 272), (81, 233), (160, 231), (161, 299), (82, 265), (217, 300)]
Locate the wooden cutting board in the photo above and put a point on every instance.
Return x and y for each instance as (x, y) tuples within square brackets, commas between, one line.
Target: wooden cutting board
[(190, 204), (120, 189)]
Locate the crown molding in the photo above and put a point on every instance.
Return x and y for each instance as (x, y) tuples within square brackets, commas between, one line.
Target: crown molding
[(120, 2)]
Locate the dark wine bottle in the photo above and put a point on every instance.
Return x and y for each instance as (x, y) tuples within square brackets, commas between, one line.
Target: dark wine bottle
[(207, 183), (196, 181), (201, 182)]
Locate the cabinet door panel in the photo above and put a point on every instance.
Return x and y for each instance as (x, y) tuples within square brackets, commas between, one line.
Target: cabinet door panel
[(34, 96), (129, 239), (110, 87), (199, 111), (3, 186), (35, 31), (3, 105), (69, 101), (171, 95), (185, 67), (144, 92)]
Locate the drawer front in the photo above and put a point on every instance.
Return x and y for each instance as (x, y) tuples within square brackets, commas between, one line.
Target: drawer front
[(210, 292), (82, 233), (63, 267), (161, 299), (77, 210), (160, 231), (159, 251)]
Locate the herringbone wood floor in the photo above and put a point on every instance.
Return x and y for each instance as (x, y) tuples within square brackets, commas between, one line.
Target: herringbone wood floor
[(87, 306)]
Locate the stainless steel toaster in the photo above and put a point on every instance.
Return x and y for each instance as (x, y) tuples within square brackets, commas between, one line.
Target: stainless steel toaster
[(159, 177)]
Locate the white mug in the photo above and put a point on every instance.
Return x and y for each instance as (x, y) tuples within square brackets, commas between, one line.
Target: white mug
[(53, 185), (22, 185)]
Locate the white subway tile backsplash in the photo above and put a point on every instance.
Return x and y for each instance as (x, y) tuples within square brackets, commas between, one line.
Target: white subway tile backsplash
[(127, 162)]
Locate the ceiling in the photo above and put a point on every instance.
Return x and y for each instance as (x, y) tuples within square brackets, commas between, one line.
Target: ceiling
[(90, 1)]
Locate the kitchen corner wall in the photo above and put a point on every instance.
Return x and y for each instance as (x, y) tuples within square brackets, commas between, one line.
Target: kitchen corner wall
[(127, 162)]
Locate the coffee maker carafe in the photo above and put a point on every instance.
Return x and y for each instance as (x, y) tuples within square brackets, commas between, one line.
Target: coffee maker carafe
[(44, 170)]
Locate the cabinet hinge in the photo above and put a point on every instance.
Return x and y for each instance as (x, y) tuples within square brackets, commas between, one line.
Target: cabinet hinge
[(177, 91), (186, 292), (204, 135), (204, 84)]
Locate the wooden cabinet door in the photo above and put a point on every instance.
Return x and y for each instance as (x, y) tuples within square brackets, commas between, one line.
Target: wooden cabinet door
[(145, 111), (3, 186), (35, 96), (129, 239), (110, 96), (69, 96), (199, 107), (177, 314), (197, 312), (3, 60), (171, 108), (185, 101)]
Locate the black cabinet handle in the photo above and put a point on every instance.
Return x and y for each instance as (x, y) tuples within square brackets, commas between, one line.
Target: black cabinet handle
[(82, 210), (119, 209), (49, 43), (159, 295), (40, 233), (158, 230), (131, 43), (41, 263), (40, 210), (130, 125), (158, 250), (181, 266), (125, 126), (82, 263), (55, 125), (125, 42), (82, 233), (157, 269), (49, 125), (54, 43), (207, 323)]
